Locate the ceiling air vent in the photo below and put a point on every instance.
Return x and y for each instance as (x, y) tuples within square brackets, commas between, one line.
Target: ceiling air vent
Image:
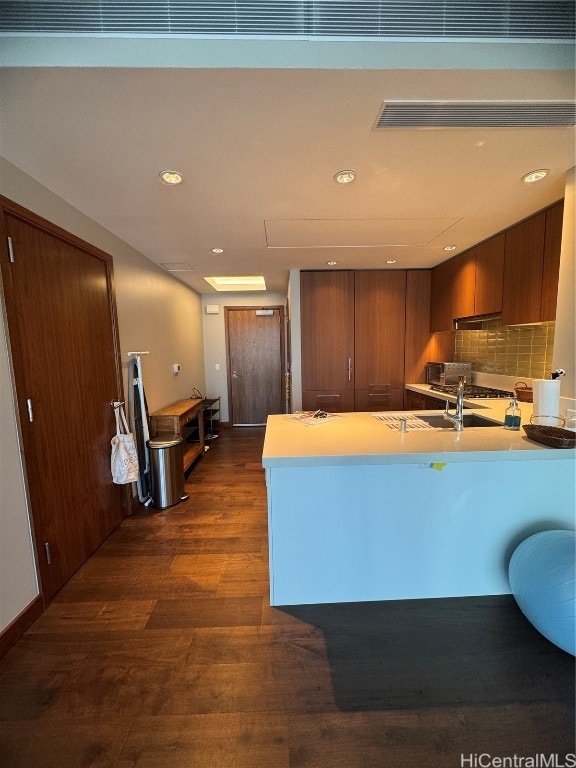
[(475, 114), (534, 20)]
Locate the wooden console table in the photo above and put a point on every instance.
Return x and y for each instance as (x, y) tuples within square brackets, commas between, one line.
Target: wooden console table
[(185, 418)]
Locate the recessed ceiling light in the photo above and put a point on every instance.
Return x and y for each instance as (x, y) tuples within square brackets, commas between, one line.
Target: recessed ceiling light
[(217, 250), (449, 247), (345, 177), (533, 176), (331, 263), (390, 261), (244, 283), (171, 177)]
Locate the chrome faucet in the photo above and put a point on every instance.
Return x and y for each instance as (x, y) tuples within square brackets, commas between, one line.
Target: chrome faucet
[(457, 418)]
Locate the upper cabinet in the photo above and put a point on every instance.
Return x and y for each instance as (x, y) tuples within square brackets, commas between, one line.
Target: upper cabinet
[(478, 279), (514, 274), (523, 261), (531, 268), (551, 263), (441, 312), (489, 276), (464, 284)]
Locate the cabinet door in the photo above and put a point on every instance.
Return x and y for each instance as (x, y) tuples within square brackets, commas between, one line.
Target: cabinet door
[(380, 318), (441, 301), (523, 259), (327, 315), (551, 265), (489, 276), (417, 339), (464, 284)]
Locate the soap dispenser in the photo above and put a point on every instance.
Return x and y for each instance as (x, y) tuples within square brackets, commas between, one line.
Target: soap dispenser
[(512, 415)]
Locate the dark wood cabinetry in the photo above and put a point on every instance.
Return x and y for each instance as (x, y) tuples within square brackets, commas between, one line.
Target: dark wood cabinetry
[(353, 339), (523, 262), (464, 284), (415, 401), (441, 312), (478, 279), (380, 311), (489, 276), (327, 316), (551, 261), (514, 273)]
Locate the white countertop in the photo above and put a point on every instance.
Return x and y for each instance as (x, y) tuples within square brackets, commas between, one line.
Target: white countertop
[(360, 439)]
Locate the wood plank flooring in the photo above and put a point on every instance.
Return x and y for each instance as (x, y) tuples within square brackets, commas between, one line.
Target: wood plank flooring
[(164, 652)]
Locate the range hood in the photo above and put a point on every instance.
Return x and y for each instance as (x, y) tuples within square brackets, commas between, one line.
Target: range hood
[(474, 323)]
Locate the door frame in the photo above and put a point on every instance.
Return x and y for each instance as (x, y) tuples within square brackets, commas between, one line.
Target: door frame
[(254, 308), (16, 364)]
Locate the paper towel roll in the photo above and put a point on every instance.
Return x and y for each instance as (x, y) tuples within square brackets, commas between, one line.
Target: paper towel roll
[(546, 402)]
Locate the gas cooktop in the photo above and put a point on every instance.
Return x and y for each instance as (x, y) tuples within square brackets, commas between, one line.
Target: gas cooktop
[(470, 390)]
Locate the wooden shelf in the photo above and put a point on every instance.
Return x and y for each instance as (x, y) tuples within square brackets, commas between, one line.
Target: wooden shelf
[(184, 418)]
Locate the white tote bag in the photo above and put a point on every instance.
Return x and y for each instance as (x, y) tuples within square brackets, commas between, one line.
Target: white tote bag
[(124, 458)]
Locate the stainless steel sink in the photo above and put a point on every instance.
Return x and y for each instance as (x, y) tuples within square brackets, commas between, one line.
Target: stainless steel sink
[(470, 420)]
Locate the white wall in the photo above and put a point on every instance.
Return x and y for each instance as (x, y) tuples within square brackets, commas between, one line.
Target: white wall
[(156, 312), (565, 335), (215, 339)]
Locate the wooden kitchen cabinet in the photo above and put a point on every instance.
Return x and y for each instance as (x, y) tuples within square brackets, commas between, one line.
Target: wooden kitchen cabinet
[(478, 279), (441, 312), (523, 264), (416, 401), (353, 334), (380, 312), (327, 316), (551, 261), (489, 278), (464, 284)]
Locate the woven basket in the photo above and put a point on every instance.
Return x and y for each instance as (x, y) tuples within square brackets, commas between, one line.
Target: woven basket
[(524, 393), (554, 437)]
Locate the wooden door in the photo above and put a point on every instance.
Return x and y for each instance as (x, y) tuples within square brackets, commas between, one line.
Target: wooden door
[(61, 321), (380, 320), (523, 259), (489, 276), (255, 349), (327, 315)]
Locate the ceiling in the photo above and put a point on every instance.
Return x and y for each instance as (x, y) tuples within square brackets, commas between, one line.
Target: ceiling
[(258, 149)]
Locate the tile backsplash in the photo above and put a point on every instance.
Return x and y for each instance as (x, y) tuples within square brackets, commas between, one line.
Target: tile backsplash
[(510, 350)]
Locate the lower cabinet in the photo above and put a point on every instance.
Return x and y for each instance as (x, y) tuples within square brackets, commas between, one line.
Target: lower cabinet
[(415, 401)]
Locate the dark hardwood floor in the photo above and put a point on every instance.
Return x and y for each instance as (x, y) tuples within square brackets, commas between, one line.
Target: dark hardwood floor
[(164, 652)]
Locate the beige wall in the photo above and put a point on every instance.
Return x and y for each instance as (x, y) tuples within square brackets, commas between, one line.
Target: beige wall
[(565, 340), (215, 339), (18, 585), (156, 312)]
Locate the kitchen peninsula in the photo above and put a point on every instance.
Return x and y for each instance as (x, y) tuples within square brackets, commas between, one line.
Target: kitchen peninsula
[(358, 511)]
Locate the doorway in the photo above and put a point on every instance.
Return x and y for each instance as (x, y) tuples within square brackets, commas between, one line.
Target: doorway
[(255, 349)]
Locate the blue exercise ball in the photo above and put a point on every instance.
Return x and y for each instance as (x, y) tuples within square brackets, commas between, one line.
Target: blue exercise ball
[(542, 575)]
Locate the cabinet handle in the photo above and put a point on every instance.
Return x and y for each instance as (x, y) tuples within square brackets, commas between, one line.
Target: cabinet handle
[(334, 394), (349, 369)]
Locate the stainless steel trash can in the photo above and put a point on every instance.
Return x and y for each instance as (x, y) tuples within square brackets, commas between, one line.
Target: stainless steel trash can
[(167, 470)]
